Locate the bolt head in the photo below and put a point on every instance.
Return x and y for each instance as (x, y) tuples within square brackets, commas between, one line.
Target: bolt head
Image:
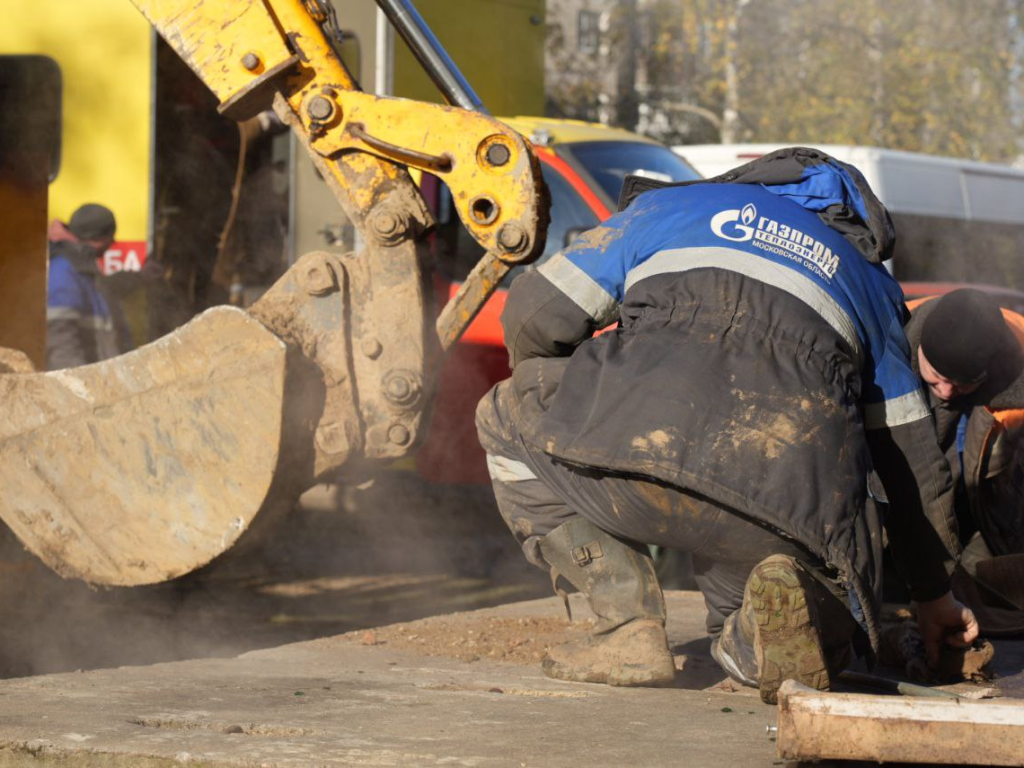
[(512, 237), (320, 108), (401, 388), (498, 154), (399, 434), (386, 223), (318, 279), (371, 347), (251, 62), (398, 387)]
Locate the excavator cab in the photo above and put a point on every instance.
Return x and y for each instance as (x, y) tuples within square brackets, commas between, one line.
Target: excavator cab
[(144, 467)]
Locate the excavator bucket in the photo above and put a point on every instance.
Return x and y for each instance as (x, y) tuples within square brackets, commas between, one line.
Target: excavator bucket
[(144, 467)]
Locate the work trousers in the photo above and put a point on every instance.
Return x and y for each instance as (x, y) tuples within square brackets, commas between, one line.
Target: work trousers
[(536, 493)]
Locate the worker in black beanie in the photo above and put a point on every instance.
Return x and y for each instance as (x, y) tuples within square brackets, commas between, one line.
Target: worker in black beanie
[(964, 340), (970, 355), (84, 320), (93, 222)]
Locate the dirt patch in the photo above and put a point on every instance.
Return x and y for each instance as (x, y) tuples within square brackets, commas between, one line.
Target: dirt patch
[(468, 637), (471, 638), (599, 237)]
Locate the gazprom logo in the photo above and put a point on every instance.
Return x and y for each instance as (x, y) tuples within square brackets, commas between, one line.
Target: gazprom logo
[(735, 224)]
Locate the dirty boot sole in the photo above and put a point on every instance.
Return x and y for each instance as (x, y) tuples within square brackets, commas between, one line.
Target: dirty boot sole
[(788, 642), (636, 654)]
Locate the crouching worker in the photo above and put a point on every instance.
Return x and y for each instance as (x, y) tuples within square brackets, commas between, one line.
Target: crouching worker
[(970, 356), (758, 370)]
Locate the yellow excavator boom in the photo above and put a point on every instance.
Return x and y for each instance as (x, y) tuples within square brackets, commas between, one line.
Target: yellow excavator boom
[(144, 467)]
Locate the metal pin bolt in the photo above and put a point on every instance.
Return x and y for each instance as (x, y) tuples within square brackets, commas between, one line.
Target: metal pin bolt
[(498, 154), (318, 279), (399, 434), (511, 237), (401, 387), (320, 108), (251, 62), (371, 347), (398, 388), (386, 223)]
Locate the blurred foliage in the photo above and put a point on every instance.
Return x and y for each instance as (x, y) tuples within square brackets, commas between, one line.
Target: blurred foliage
[(936, 76), (574, 91)]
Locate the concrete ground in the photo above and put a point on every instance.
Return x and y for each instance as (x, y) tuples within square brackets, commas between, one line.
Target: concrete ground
[(338, 701), (380, 627), (367, 699)]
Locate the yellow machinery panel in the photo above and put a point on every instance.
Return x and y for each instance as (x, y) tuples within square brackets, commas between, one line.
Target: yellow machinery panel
[(498, 45), (103, 50)]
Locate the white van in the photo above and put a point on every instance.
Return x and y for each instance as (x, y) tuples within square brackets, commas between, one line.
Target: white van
[(956, 220)]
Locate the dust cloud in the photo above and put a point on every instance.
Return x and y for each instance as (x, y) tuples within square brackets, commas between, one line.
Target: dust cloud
[(343, 559)]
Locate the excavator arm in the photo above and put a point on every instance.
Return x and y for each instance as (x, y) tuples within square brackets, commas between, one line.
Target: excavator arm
[(144, 467)]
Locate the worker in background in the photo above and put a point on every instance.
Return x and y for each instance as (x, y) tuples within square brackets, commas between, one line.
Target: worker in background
[(84, 322), (969, 355), (758, 368)]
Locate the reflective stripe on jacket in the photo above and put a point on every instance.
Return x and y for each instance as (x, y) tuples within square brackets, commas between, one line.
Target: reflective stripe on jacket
[(745, 368), (81, 328)]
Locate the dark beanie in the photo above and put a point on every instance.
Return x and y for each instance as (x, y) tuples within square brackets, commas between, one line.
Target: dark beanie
[(964, 334), (92, 222)]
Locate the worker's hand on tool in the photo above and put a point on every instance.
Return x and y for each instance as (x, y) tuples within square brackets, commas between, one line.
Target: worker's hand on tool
[(945, 620)]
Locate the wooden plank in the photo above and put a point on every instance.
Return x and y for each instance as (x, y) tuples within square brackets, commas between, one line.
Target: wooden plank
[(844, 726)]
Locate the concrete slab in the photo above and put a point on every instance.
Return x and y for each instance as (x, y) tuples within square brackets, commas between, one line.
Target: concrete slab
[(338, 701)]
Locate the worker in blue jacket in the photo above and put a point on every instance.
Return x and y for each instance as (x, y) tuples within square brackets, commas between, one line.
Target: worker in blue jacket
[(84, 321), (757, 370)]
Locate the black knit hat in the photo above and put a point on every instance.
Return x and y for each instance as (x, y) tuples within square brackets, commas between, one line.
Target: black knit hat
[(93, 222), (965, 335)]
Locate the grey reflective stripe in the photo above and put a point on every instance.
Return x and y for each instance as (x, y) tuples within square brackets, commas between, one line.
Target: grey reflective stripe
[(762, 270), (900, 410), (91, 322), (62, 313), (97, 323), (581, 288), (508, 470)]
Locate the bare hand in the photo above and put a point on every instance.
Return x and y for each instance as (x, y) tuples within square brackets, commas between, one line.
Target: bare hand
[(945, 620)]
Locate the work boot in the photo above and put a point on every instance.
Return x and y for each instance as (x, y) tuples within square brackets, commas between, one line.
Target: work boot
[(779, 633), (734, 648), (628, 646)]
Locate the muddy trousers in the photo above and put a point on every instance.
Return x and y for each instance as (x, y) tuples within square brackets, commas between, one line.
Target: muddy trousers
[(536, 493)]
